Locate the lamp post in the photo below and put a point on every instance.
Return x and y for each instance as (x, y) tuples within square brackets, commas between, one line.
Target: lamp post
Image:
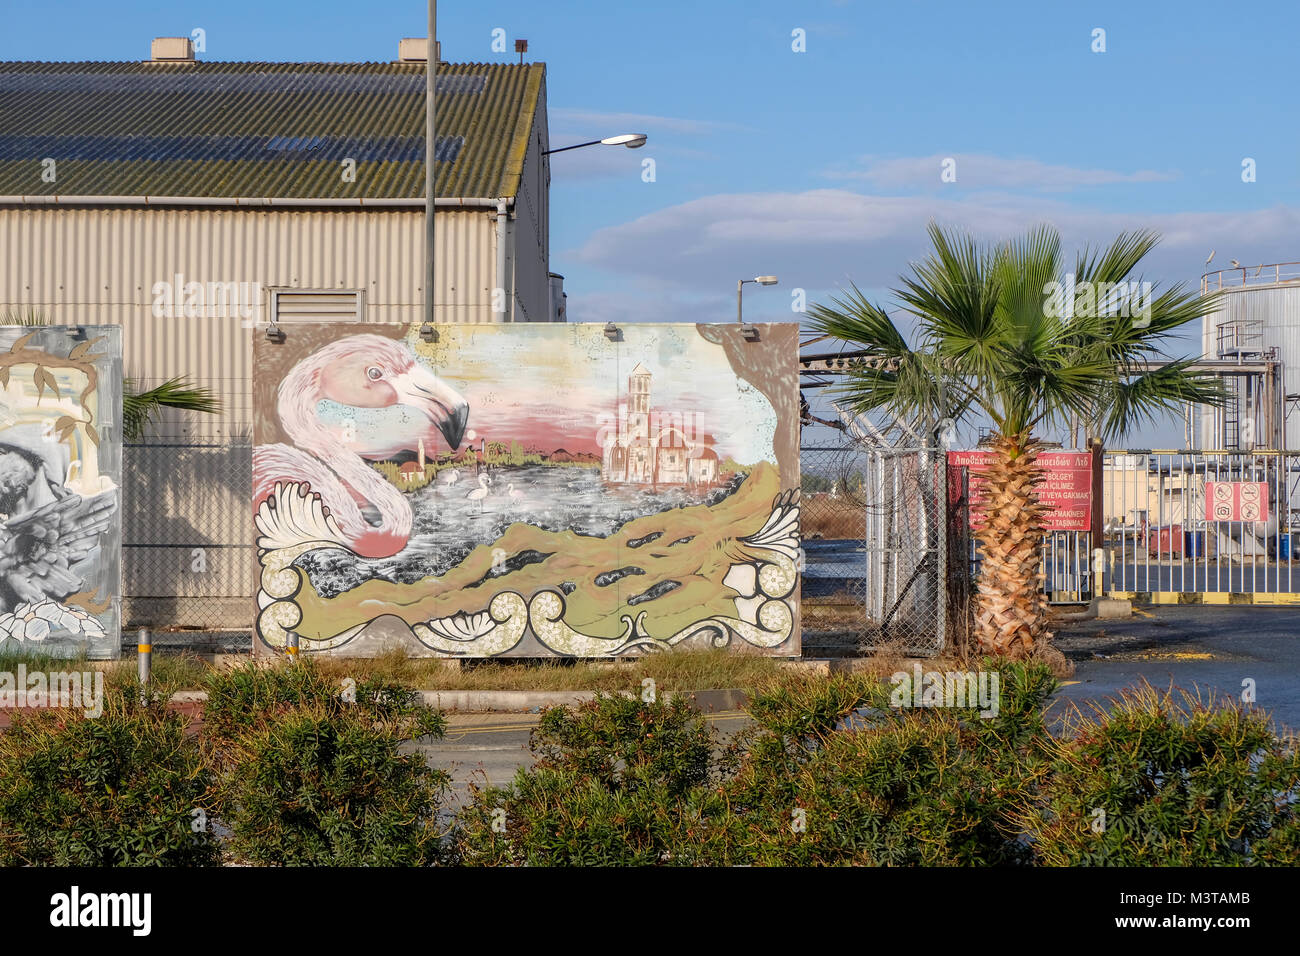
[(740, 286), (430, 161), (630, 140)]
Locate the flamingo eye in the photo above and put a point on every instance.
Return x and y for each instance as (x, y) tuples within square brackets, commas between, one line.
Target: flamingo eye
[(374, 373)]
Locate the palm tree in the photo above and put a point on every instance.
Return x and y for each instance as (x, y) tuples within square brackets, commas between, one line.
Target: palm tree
[(139, 408), (999, 340)]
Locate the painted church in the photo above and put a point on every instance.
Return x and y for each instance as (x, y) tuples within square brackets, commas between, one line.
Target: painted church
[(654, 447)]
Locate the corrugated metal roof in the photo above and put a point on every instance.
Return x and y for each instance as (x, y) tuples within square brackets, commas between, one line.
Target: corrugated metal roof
[(277, 130)]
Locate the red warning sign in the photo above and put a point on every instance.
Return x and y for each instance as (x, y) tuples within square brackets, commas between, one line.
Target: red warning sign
[(1236, 501), (1066, 490)]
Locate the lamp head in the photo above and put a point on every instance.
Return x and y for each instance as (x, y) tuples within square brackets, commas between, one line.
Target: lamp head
[(630, 140)]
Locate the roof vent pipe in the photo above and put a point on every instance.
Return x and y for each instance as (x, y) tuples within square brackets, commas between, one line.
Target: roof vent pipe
[(415, 50), (172, 50)]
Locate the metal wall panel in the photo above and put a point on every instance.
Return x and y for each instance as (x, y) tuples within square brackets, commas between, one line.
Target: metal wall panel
[(1277, 309), (531, 265), (101, 266)]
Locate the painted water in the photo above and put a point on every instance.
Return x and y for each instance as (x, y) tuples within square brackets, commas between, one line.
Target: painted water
[(450, 518)]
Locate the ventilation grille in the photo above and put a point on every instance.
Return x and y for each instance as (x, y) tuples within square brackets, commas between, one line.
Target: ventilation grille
[(293, 307)]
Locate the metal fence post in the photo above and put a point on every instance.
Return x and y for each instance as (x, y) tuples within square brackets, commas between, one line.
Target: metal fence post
[(144, 662), (941, 543), (1099, 572)]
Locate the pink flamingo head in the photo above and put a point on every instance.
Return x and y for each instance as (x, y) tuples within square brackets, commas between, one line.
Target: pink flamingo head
[(371, 371)]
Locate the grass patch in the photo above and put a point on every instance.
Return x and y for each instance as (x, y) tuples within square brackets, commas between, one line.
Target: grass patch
[(680, 670), (685, 670)]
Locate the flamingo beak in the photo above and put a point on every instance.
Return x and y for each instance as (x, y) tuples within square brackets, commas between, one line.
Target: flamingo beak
[(442, 404)]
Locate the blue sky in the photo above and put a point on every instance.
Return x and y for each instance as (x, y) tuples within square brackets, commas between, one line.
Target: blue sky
[(823, 166)]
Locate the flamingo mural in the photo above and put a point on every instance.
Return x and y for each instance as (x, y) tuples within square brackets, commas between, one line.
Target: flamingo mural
[(362, 511), (479, 493), (513, 538)]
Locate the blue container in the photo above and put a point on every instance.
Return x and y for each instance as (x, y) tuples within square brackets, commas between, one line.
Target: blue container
[(1195, 544), (1284, 546)]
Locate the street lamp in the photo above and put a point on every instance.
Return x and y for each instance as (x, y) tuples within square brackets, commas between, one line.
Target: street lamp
[(630, 140), (740, 285), (430, 161)]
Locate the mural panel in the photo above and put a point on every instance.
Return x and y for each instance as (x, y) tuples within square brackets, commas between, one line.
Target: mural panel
[(60, 479), (527, 490)]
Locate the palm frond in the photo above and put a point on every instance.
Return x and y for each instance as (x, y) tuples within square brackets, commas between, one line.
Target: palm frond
[(988, 340), (1146, 398), (28, 316), (141, 408)]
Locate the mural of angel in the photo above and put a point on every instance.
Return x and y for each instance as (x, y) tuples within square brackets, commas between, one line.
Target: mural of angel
[(60, 533)]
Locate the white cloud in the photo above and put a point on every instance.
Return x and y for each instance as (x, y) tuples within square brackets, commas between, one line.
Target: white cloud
[(979, 171), (821, 239)]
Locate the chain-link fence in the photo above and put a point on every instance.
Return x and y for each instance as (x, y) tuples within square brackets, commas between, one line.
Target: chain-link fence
[(963, 560), (187, 555), (875, 532)]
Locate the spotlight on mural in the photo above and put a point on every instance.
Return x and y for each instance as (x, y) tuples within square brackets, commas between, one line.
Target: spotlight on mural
[(60, 471), (527, 490)]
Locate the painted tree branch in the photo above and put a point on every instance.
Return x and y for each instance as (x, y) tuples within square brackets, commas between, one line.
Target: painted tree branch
[(78, 359)]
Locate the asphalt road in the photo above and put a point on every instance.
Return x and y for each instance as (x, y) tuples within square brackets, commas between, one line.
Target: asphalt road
[(1195, 647), (1198, 648)]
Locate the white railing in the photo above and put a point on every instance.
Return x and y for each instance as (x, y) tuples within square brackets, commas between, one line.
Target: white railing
[(1273, 273)]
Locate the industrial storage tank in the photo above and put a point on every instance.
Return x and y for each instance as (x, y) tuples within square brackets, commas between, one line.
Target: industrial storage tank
[(1253, 339)]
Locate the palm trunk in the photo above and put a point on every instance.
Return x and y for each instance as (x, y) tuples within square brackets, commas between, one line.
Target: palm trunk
[(1010, 608)]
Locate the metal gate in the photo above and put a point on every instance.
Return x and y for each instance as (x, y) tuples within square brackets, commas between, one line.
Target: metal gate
[(875, 549), (1067, 567), (1202, 526)]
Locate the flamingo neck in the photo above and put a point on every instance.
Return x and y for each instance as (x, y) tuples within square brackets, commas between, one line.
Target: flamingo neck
[(298, 398)]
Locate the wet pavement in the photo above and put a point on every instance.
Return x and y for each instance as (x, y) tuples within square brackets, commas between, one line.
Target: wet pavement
[(1207, 648)]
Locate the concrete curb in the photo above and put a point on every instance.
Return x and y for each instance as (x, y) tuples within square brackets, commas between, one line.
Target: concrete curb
[(506, 701), (1283, 598), (527, 701), (1103, 608)]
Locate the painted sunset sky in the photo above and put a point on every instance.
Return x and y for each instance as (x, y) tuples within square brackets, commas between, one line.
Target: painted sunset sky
[(561, 386)]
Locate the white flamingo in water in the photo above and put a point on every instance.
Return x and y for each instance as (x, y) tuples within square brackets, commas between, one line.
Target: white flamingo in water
[(479, 493), (362, 511), (451, 477)]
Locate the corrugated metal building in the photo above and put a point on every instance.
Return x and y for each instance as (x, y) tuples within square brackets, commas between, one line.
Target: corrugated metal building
[(188, 201)]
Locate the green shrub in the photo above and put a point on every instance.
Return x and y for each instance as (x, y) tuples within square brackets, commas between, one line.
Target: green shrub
[(549, 817), (306, 777), (1157, 780), (831, 774), (828, 774), (623, 743), (612, 784), (121, 789), (247, 697)]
